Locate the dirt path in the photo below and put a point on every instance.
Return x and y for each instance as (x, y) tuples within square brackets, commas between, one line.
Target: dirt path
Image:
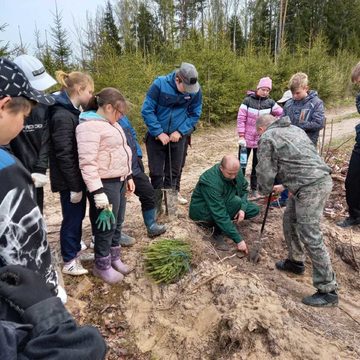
[(343, 128), (238, 310)]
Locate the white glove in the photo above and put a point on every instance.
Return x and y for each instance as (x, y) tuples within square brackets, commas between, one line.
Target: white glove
[(39, 180), (75, 197), (242, 142), (101, 201)]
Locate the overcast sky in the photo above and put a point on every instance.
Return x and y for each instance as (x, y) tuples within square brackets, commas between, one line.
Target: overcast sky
[(25, 13)]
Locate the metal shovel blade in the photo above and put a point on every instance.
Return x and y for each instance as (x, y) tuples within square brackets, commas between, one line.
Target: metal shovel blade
[(170, 196)]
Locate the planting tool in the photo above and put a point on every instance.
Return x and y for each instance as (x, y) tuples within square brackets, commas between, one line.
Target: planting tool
[(254, 252), (170, 195)]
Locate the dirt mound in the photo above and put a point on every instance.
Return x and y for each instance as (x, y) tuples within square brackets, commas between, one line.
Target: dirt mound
[(218, 312)]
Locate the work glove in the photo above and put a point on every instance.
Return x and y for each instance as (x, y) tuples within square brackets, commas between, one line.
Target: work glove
[(242, 142), (39, 180), (101, 200), (22, 287), (105, 219), (75, 197), (61, 294)]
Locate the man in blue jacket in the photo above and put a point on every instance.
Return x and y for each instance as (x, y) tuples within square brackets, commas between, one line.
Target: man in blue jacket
[(171, 110)]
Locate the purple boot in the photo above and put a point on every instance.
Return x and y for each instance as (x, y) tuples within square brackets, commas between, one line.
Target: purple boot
[(116, 263), (103, 270)]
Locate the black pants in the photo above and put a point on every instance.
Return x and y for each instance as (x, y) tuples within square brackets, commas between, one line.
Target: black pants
[(186, 145), (352, 187), (105, 239), (253, 178), (145, 191), (160, 157)]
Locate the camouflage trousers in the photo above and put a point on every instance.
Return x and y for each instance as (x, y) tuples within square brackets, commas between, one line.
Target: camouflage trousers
[(301, 224)]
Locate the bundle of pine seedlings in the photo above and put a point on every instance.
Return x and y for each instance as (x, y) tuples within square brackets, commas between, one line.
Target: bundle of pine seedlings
[(167, 260)]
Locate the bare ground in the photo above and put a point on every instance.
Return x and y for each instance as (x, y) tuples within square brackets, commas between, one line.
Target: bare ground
[(227, 307)]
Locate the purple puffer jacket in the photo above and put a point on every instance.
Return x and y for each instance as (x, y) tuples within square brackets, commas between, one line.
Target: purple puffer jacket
[(251, 108)]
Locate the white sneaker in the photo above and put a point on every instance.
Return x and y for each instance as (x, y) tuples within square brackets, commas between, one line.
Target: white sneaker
[(92, 242), (83, 245), (181, 200), (74, 267)]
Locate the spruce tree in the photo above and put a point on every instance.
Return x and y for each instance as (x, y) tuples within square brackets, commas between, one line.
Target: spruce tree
[(110, 32), (61, 50)]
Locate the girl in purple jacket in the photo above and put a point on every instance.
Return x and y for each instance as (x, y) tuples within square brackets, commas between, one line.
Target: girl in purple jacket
[(255, 104)]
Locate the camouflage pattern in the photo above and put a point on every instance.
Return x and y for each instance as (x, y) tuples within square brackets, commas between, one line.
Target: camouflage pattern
[(286, 152), (301, 224)]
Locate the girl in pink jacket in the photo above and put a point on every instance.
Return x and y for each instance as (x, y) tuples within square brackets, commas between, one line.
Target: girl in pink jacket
[(105, 164), (255, 104)]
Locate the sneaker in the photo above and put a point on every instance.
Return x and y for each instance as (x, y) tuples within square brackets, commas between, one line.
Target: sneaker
[(181, 200), (349, 221), (296, 267), (320, 299), (92, 242), (83, 245), (126, 240), (74, 267)]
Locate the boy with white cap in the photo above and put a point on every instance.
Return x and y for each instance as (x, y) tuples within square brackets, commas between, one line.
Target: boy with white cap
[(31, 146)]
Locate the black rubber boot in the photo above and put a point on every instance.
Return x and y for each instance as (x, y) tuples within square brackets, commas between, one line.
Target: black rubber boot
[(296, 267), (320, 299), (158, 201), (349, 221)]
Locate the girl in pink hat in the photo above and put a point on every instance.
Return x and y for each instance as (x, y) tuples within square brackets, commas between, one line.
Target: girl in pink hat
[(256, 103)]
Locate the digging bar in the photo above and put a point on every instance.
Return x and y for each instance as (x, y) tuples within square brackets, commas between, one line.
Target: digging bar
[(254, 252)]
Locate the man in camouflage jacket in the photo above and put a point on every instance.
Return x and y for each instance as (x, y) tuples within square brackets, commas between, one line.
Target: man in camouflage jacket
[(286, 152)]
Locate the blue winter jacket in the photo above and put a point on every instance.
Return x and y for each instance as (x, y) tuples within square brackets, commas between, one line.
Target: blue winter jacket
[(166, 110), (308, 114), (131, 139)]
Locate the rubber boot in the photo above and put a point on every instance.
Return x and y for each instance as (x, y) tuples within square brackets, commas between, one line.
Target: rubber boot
[(116, 263), (158, 201), (153, 228), (102, 269)]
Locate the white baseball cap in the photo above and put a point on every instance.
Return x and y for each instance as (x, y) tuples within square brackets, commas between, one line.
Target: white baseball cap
[(286, 96), (35, 72)]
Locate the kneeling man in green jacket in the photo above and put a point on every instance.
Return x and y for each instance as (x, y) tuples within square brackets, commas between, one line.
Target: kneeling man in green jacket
[(220, 200)]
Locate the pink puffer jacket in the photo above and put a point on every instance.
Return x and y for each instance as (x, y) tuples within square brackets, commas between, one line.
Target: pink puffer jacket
[(251, 108), (103, 150)]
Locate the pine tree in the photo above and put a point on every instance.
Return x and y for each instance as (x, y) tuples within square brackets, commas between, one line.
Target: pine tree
[(110, 32), (61, 49)]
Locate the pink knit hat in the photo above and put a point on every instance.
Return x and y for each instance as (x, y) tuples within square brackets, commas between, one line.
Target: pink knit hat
[(265, 82)]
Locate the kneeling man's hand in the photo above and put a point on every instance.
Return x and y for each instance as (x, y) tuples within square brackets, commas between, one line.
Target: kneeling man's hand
[(239, 217), (241, 246)]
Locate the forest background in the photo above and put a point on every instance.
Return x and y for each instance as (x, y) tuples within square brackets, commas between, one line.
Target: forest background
[(232, 43)]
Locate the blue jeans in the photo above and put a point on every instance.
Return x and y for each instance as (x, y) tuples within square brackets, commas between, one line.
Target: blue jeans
[(71, 226)]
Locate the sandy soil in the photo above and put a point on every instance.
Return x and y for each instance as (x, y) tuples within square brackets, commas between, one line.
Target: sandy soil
[(227, 307)]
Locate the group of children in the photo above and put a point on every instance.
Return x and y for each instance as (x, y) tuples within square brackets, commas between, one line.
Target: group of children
[(93, 154), (303, 106)]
